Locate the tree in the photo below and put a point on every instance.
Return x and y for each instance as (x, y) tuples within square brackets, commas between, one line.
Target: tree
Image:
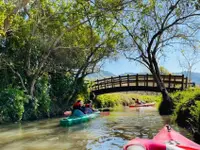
[(94, 41), (154, 26), (57, 37), (190, 59), (12, 8)]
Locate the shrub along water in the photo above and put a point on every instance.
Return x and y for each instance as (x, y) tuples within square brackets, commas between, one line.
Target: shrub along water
[(187, 110), (12, 104), (51, 95)]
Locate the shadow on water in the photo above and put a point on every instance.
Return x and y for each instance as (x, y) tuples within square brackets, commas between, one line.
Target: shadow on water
[(106, 132)]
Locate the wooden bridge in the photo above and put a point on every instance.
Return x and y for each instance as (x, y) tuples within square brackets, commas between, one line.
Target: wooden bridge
[(138, 83)]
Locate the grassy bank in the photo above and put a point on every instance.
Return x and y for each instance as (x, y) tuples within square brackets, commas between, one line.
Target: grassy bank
[(124, 99)]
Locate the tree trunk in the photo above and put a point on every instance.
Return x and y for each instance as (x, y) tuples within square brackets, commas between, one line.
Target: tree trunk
[(32, 88), (166, 106)]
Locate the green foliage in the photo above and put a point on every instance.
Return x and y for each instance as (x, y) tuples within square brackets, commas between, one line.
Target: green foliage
[(42, 95), (54, 37), (61, 86), (187, 110), (181, 99), (12, 104), (5, 10), (83, 90), (195, 112)]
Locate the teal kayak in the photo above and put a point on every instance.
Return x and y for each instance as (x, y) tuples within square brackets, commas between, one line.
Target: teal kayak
[(76, 120)]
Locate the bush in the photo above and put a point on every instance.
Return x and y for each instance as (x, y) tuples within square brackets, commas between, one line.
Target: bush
[(61, 91), (61, 86), (12, 104), (43, 98), (187, 110)]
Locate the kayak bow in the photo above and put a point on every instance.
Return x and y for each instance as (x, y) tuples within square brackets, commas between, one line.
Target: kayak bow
[(166, 139)]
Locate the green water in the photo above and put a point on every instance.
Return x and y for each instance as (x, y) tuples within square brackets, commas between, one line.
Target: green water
[(109, 132)]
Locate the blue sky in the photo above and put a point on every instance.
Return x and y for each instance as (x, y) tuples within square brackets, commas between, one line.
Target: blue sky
[(122, 65)]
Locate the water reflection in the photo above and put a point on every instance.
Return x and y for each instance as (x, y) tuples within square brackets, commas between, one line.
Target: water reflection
[(110, 131)]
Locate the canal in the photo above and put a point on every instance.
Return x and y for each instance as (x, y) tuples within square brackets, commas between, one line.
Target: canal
[(110, 131)]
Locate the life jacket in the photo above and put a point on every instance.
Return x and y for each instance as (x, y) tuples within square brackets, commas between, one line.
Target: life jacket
[(77, 105)]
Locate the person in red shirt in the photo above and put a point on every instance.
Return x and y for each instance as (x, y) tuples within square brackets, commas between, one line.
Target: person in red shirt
[(79, 105)]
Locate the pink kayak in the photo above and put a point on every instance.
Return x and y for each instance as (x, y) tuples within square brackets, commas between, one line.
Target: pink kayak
[(166, 139), (142, 105)]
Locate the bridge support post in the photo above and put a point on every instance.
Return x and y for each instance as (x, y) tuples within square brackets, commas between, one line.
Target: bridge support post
[(169, 82), (186, 84), (120, 82), (136, 79), (112, 82), (182, 86), (128, 80), (147, 80), (105, 83), (97, 84)]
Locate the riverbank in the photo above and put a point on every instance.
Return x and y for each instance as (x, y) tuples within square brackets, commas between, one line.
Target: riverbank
[(187, 110), (125, 99)]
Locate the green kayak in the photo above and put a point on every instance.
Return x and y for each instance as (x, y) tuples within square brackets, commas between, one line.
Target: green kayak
[(76, 120)]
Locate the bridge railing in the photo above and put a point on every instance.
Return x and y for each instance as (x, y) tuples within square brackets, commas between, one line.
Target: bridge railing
[(170, 81)]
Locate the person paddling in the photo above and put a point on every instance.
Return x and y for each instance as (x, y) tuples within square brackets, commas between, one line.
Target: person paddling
[(88, 107), (137, 101), (78, 108)]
